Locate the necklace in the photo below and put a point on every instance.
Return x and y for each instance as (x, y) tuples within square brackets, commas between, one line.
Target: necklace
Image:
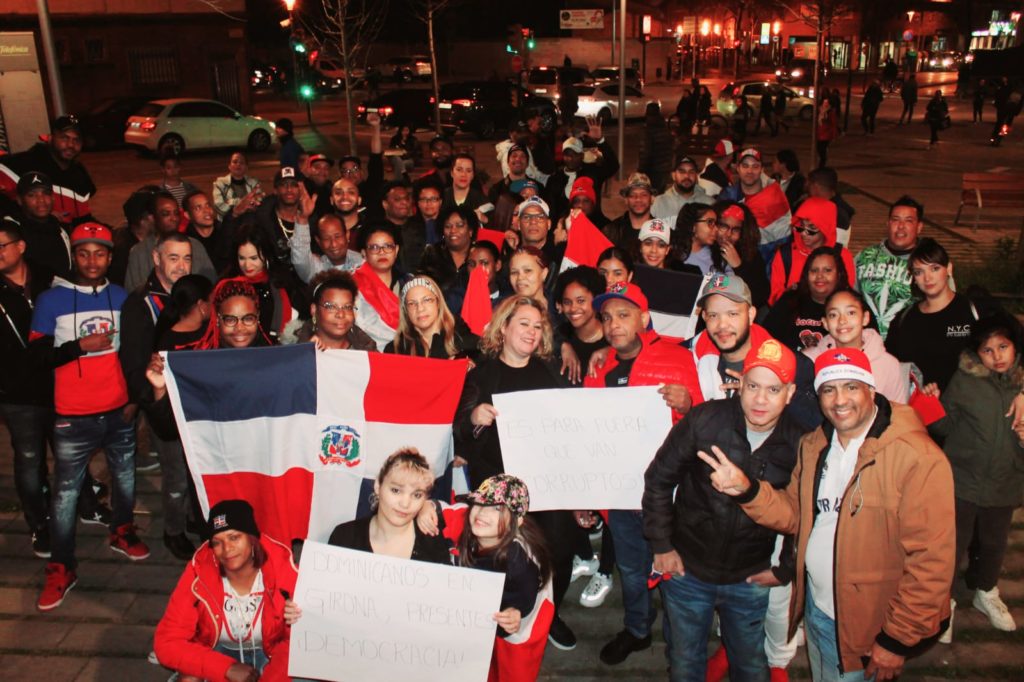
[(284, 230)]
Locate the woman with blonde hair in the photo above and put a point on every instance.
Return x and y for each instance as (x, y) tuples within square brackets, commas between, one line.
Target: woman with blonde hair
[(426, 327), (517, 350)]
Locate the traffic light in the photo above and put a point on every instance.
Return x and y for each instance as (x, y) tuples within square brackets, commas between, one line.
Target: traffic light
[(306, 91), (298, 46), (531, 42)]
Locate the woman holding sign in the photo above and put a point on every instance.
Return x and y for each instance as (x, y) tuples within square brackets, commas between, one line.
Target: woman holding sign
[(225, 619), (517, 348)]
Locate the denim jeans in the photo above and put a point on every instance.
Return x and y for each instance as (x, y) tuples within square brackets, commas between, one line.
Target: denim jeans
[(30, 427), (690, 605), (173, 482), (74, 440), (634, 558), (822, 649)]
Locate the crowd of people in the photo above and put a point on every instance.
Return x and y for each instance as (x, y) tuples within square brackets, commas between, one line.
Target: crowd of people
[(846, 427)]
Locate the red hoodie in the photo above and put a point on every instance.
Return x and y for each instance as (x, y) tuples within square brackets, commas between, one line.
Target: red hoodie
[(822, 213), (194, 617)]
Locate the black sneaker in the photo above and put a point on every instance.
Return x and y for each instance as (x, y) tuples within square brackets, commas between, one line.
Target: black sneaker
[(41, 543), (619, 649), (100, 516), (180, 546), (560, 636)]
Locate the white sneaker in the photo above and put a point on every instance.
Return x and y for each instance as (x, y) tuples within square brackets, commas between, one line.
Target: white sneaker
[(947, 636), (596, 591), (583, 567), (992, 606)]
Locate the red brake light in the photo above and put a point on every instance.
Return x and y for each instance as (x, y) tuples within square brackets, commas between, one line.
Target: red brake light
[(735, 92), (148, 125), (361, 109), (463, 102), (432, 100), (387, 111)]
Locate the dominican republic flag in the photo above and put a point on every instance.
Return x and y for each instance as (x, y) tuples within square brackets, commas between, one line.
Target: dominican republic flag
[(672, 298), (771, 210), (301, 433), (585, 244)]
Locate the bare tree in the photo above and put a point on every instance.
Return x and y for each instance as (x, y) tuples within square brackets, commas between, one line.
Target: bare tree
[(820, 16), (427, 11), (350, 27)]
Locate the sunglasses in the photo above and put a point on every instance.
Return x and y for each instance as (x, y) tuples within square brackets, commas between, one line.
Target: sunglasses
[(809, 231)]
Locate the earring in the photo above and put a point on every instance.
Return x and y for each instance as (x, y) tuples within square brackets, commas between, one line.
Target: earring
[(373, 500)]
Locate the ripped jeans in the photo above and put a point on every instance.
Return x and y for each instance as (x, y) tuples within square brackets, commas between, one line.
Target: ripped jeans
[(75, 438)]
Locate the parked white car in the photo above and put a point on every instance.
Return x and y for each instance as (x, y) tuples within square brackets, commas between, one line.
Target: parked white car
[(797, 105), (181, 124), (602, 101)]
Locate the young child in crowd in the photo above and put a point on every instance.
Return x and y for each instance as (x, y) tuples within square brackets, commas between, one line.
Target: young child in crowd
[(986, 451), (846, 319)]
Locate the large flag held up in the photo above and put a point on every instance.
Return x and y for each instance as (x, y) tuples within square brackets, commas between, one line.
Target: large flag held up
[(672, 298), (301, 433)]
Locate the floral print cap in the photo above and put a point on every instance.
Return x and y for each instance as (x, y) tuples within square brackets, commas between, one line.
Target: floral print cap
[(503, 489)]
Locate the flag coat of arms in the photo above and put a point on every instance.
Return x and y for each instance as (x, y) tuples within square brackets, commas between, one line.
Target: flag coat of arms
[(301, 433)]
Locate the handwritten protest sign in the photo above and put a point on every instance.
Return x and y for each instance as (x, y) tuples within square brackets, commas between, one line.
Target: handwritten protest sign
[(372, 617), (586, 448)]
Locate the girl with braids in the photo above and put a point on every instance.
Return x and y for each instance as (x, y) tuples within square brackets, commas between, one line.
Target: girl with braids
[(426, 327), (333, 315), (236, 320), (184, 319)]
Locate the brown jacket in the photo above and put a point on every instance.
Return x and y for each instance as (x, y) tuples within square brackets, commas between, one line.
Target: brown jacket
[(895, 539)]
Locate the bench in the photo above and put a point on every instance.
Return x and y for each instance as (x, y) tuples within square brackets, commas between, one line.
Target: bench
[(990, 190)]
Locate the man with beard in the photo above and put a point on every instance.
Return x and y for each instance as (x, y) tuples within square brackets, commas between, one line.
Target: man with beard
[(684, 190), (167, 216), (765, 199), (638, 194), (46, 241), (516, 158), (205, 229), (720, 350), (318, 181), (332, 238), (58, 159), (441, 160)]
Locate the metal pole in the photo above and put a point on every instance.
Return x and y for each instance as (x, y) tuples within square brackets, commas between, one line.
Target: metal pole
[(614, 15), (50, 53), (622, 88)]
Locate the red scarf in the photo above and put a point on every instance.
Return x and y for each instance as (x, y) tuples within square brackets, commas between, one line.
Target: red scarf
[(377, 294)]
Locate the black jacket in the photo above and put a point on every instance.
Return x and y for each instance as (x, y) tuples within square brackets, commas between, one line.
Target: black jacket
[(138, 334), (72, 186), (554, 191), (716, 539), (22, 382), (46, 243)]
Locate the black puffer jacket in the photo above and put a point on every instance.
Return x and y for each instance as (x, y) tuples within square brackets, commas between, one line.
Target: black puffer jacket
[(717, 541)]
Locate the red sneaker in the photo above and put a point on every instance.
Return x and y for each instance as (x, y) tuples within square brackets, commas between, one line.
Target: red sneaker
[(59, 581), (779, 675), (718, 666), (125, 541)]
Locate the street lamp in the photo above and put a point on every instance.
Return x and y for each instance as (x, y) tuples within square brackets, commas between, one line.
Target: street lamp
[(776, 27), (705, 27)]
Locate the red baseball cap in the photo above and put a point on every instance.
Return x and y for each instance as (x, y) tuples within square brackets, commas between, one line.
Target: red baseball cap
[(624, 291), (92, 233), (774, 356)]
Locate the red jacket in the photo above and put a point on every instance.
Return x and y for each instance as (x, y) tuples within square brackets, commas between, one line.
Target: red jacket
[(659, 362), (192, 622)]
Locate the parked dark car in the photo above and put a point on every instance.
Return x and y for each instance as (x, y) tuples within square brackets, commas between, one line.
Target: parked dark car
[(487, 108), (409, 107), (103, 126)]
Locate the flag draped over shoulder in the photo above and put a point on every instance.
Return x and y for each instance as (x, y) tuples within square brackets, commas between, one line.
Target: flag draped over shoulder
[(585, 244), (301, 433), (771, 210), (377, 294)]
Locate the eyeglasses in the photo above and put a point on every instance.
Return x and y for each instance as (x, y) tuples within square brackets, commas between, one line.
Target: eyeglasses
[(380, 248), (430, 200), (350, 171), (532, 218), (335, 308), (723, 227), (6, 244), (249, 320), (422, 303), (809, 231), (710, 221)]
